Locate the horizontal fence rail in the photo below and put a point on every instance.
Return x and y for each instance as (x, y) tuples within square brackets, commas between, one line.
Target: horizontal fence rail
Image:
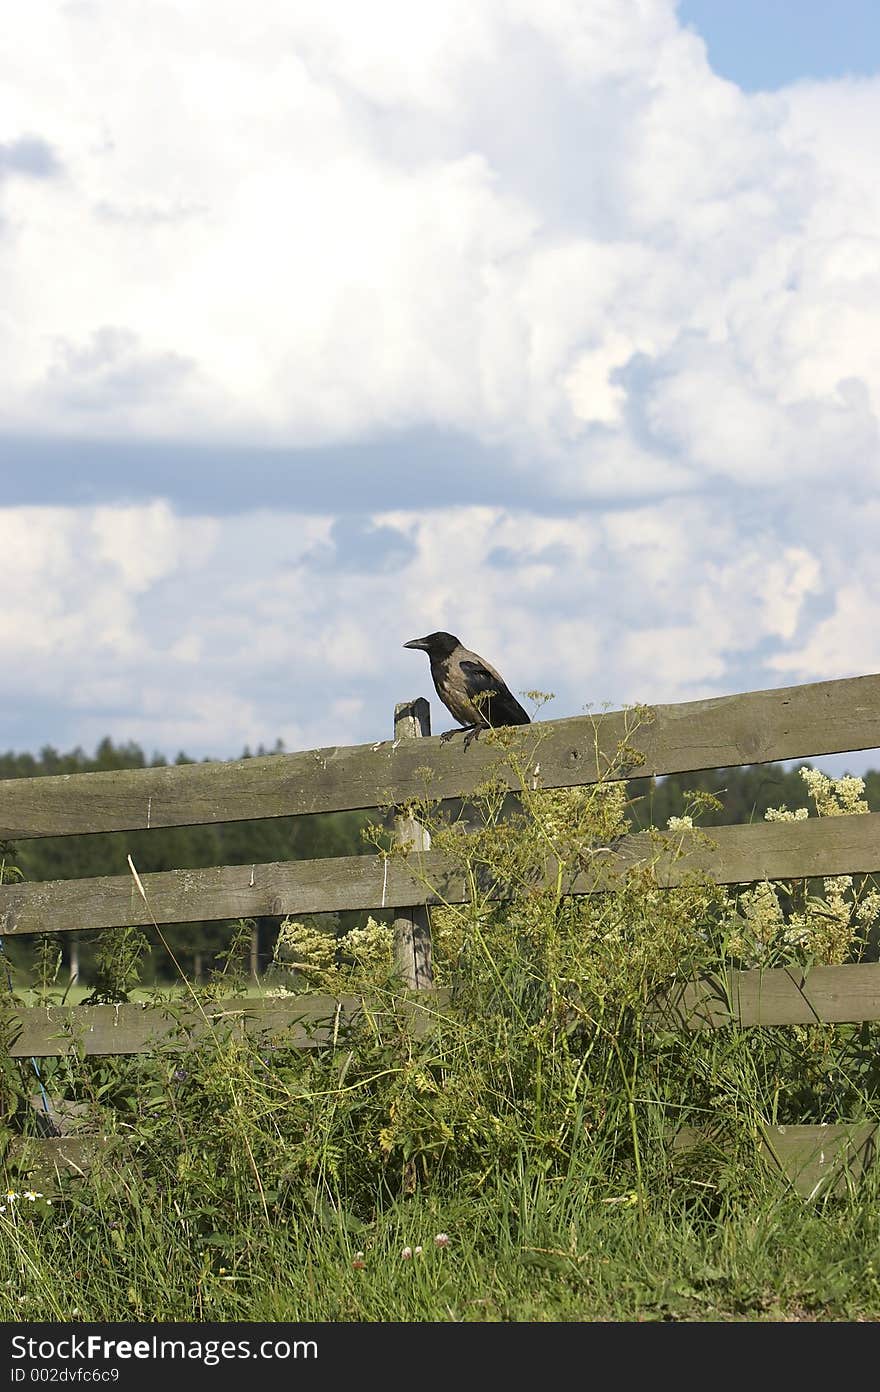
[(751, 728), (846, 994), (782, 996), (822, 1159), (815, 1159), (725, 854), (305, 1021), (818, 1159)]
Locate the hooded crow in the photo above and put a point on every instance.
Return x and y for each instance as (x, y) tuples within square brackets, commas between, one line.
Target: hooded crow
[(468, 686)]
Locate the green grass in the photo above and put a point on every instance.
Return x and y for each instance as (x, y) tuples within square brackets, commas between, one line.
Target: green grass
[(524, 1250), (245, 1190)]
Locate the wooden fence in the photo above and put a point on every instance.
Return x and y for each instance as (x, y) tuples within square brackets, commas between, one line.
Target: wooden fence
[(754, 727)]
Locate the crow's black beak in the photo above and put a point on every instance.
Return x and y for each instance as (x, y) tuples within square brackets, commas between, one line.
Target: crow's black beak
[(417, 643)]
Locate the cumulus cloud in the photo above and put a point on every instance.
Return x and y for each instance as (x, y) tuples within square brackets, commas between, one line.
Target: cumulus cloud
[(210, 634), (550, 227)]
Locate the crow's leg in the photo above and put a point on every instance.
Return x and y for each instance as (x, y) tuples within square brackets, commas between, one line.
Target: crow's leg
[(467, 730)]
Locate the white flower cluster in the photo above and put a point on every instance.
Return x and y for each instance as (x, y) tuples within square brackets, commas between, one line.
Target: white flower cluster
[(309, 949), (835, 797), (825, 926), (369, 944), (595, 811)]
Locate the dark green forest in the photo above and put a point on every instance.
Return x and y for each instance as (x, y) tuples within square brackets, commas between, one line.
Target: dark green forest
[(744, 794)]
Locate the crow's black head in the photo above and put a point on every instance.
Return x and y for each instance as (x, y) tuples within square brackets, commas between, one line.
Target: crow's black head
[(435, 645)]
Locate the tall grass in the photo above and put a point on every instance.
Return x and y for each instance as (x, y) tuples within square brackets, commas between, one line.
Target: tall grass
[(513, 1162)]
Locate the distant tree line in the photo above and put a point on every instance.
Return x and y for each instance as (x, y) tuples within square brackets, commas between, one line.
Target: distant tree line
[(745, 795), (197, 946)]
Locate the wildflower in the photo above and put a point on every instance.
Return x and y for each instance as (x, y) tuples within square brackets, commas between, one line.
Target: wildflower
[(359, 1264), (782, 814), (840, 797), (797, 934), (369, 944), (406, 1253), (849, 793), (441, 1240), (307, 948), (680, 824), (868, 908), (418, 1251), (763, 913)]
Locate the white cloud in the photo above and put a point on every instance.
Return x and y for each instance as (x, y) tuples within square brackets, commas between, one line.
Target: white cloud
[(531, 223), (145, 543), (846, 643), (210, 634), (550, 228)]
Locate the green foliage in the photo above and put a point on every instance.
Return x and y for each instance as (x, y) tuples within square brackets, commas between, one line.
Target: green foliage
[(332, 961), (828, 921), (9, 871), (117, 967)]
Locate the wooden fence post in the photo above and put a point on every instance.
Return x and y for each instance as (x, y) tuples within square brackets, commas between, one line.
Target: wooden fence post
[(412, 927)]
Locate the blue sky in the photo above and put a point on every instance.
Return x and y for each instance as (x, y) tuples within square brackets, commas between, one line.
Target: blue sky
[(767, 44), (322, 327)]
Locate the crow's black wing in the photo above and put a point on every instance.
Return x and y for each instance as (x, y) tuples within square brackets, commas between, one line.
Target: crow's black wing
[(498, 704)]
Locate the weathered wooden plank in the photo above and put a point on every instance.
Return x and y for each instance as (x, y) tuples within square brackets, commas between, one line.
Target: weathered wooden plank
[(729, 855), (781, 996), (816, 1160), (820, 1160), (232, 891), (752, 727), (298, 1021), (44, 1159), (761, 850)]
